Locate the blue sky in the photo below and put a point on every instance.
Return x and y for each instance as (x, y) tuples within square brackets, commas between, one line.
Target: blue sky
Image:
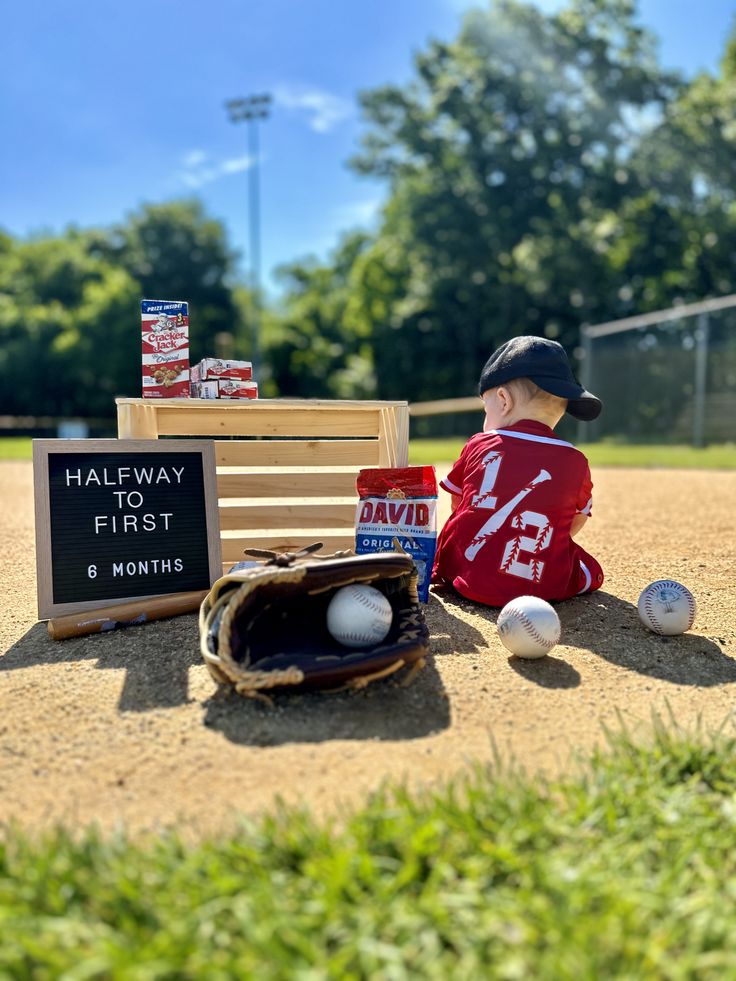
[(104, 106)]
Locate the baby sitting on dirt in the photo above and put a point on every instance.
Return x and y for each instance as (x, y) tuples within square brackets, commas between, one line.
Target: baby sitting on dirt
[(520, 494)]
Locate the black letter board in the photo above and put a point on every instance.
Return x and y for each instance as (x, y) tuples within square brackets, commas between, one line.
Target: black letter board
[(117, 520)]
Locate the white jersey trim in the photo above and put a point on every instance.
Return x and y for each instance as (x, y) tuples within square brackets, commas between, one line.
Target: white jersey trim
[(529, 436), (448, 486), (588, 578), (587, 508)]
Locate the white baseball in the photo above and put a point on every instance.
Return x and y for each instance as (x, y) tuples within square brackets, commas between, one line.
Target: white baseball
[(359, 615), (666, 607), (528, 627)]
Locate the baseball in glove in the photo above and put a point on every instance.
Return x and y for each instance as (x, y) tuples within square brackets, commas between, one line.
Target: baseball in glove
[(264, 627)]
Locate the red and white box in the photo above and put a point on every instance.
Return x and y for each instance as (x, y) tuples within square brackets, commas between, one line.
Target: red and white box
[(165, 349), (214, 369), (231, 388), (204, 390)]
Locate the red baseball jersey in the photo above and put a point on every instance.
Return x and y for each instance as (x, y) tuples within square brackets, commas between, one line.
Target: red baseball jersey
[(509, 536)]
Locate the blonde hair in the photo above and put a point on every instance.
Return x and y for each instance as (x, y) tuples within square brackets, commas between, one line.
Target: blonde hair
[(529, 391)]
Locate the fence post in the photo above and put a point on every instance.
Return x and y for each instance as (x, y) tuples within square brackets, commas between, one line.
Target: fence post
[(702, 333), (587, 431)]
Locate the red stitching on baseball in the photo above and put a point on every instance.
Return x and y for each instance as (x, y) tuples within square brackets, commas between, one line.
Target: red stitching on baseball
[(682, 592), (650, 612), (526, 622)]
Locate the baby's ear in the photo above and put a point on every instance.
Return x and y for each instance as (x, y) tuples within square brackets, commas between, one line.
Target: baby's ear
[(505, 398)]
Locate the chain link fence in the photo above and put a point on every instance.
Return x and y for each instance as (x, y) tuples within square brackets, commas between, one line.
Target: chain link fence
[(664, 377)]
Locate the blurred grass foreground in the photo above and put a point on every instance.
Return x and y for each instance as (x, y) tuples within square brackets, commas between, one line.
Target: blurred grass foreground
[(625, 870)]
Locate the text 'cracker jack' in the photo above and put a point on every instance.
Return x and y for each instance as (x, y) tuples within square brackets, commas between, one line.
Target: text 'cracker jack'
[(165, 349)]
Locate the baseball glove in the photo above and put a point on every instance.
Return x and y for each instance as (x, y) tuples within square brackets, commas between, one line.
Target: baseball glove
[(264, 627)]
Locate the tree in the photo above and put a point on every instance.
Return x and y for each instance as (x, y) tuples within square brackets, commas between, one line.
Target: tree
[(68, 342), (175, 252), (311, 348), (70, 307), (504, 157)]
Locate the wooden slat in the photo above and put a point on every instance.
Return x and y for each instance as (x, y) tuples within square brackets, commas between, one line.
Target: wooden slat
[(269, 421), (393, 437), (237, 514), (294, 403), (287, 482), (442, 406), (284, 452), (282, 539), (303, 488), (137, 421)]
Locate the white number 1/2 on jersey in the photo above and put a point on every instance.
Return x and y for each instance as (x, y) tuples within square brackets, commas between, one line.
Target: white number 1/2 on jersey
[(485, 499)]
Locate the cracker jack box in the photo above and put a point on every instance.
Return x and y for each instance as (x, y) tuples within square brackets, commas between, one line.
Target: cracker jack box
[(165, 350), (230, 388), (399, 502), (209, 369), (203, 390)]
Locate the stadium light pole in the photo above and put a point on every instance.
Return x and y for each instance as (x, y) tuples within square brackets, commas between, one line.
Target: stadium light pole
[(253, 109)]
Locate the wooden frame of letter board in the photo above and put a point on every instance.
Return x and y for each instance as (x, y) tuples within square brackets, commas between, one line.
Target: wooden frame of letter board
[(41, 450)]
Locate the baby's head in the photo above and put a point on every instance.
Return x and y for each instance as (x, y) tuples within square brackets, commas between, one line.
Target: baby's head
[(531, 378), (521, 398)]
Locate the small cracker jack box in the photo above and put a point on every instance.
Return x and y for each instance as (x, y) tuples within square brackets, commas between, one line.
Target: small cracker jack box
[(214, 369), (165, 349), (203, 390), (399, 502), (230, 388)]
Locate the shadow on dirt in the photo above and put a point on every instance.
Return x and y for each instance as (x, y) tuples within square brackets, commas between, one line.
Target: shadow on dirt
[(155, 658), (611, 628), (384, 710), (547, 672), (450, 632), (449, 629)]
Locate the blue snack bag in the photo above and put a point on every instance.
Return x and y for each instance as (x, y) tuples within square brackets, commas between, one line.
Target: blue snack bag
[(399, 502)]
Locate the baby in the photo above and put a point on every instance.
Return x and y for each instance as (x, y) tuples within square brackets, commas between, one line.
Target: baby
[(519, 494)]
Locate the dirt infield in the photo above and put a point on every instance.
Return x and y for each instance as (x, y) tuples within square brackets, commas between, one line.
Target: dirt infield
[(127, 728)]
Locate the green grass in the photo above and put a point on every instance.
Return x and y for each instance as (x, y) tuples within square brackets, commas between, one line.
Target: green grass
[(15, 448), (604, 454), (625, 871)]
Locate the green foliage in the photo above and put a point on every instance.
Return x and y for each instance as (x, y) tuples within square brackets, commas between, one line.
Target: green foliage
[(174, 251), (312, 348), (542, 171), (509, 163), (67, 329), (70, 307), (624, 870)]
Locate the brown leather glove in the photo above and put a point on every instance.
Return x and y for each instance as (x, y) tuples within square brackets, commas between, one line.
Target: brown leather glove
[(264, 627)]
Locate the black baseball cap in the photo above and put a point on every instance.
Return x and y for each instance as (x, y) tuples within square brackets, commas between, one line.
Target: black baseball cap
[(546, 364)]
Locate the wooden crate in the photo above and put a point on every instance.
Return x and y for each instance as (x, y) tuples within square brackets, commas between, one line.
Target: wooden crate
[(286, 468)]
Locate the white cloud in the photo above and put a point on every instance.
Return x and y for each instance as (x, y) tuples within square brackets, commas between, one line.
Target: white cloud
[(194, 158), (357, 212), (324, 110), (463, 4), (198, 170), (546, 6), (235, 164), (338, 220)]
